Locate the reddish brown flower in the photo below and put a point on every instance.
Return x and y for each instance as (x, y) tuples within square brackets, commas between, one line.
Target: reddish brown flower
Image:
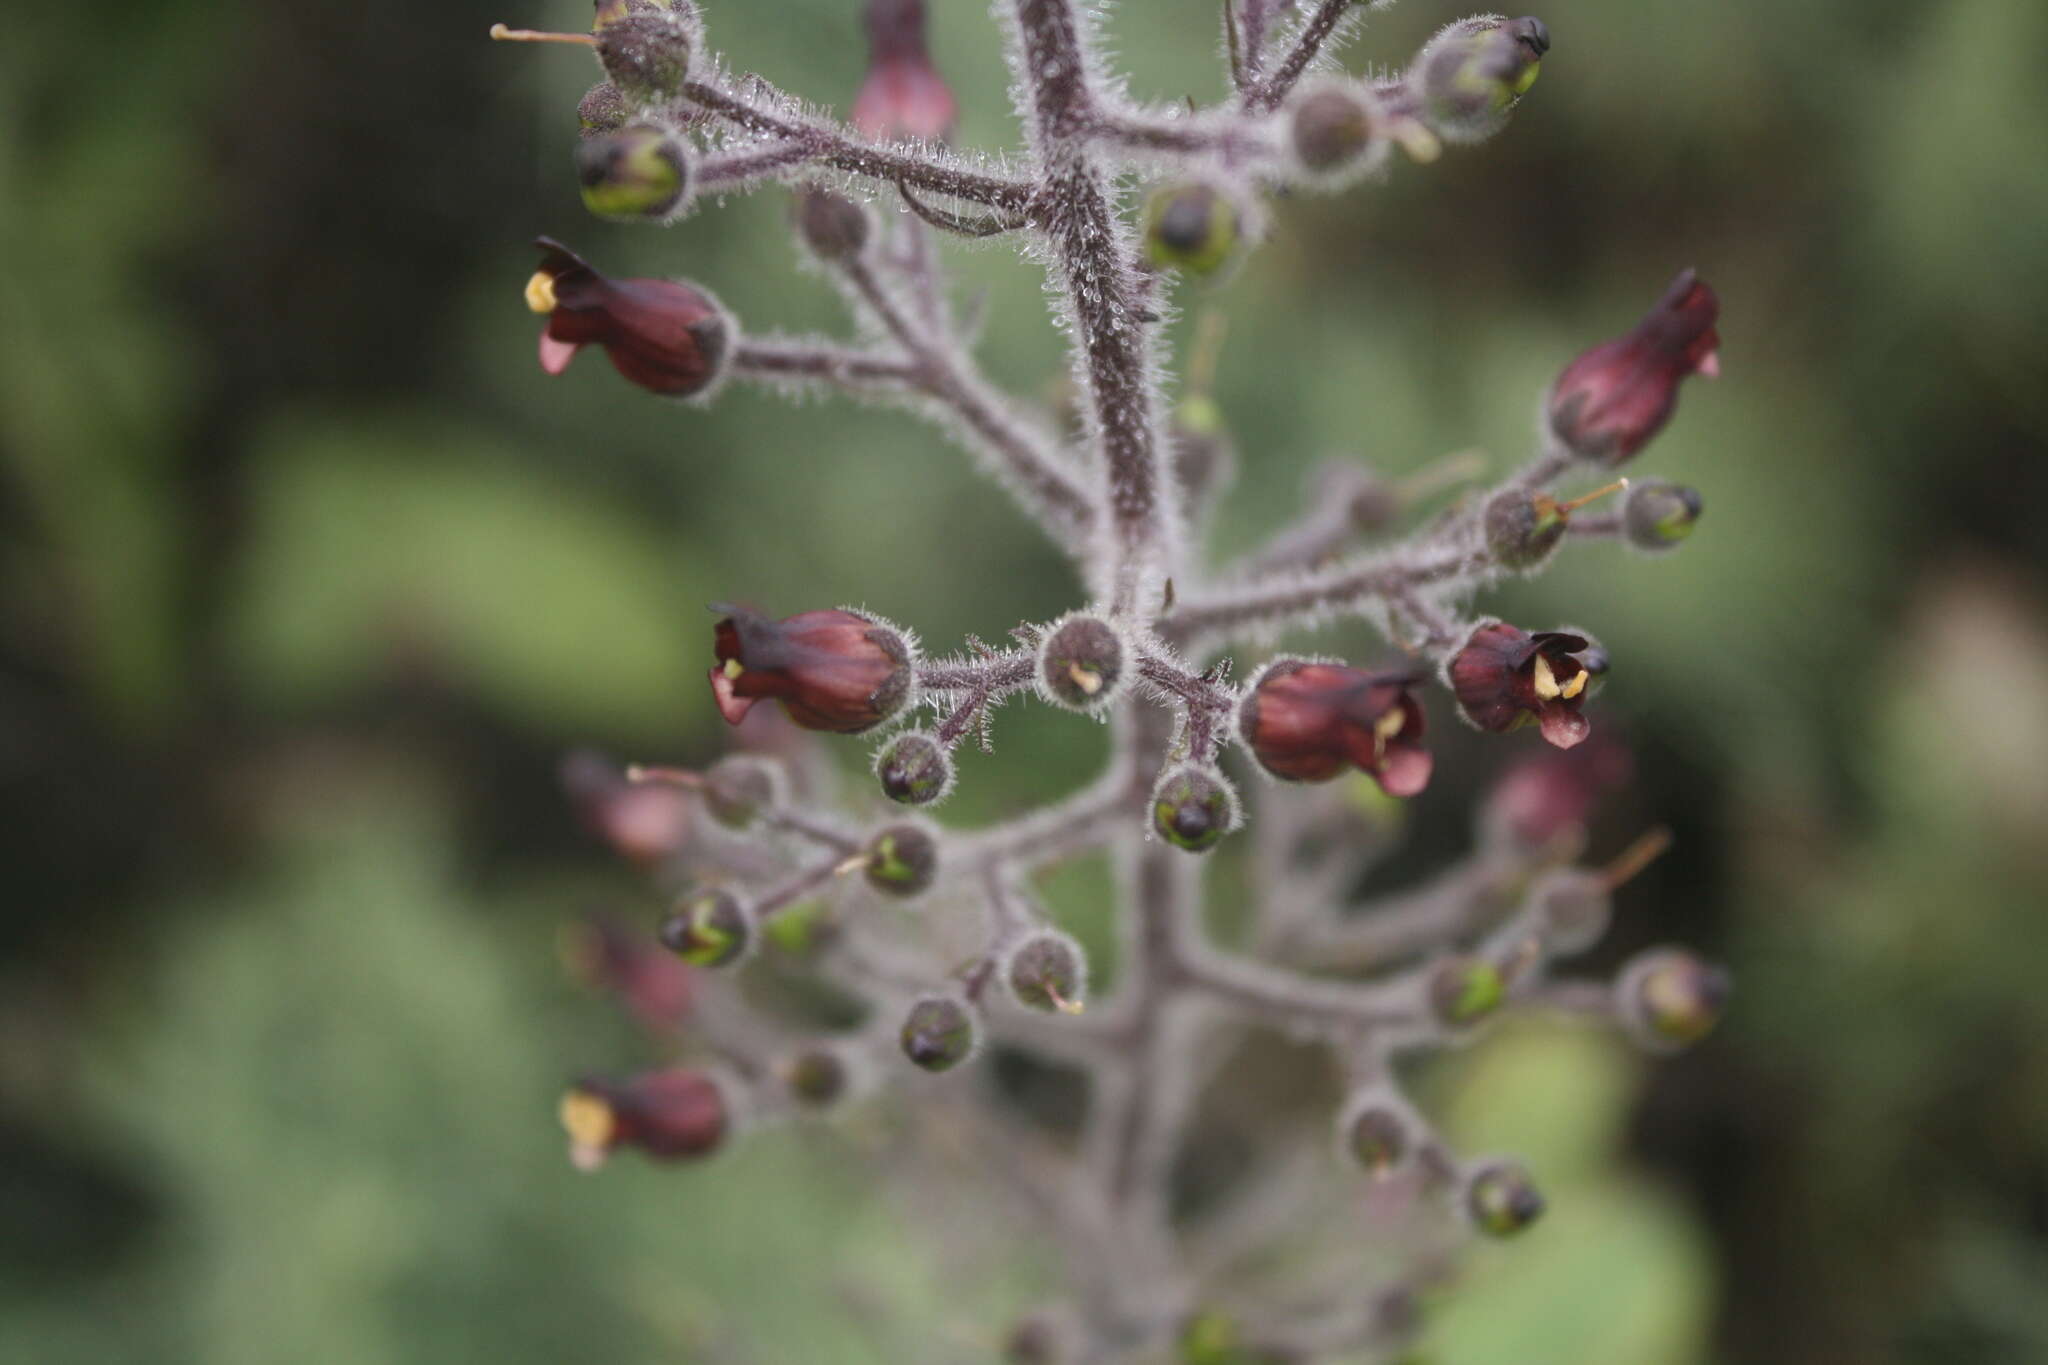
[(1611, 400), (831, 670), (1547, 793), (642, 821), (654, 987), (1306, 722), (666, 336), (903, 95), (1505, 677), (666, 1114)]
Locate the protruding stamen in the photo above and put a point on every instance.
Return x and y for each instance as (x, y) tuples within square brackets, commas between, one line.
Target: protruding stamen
[(500, 33), (1619, 485), (1629, 863), (1576, 685), (1087, 679), (540, 292), (1061, 1003), (1544, 680), (857, 862), (672, 777)]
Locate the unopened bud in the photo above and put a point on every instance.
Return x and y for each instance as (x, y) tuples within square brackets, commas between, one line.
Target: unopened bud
[(636, 172), (1082, 664), (708, 929), (1473, 72), (1332, 131), (1378, 1131), (1193, 807), (739, 789), (1047, 971), (1501, 1200), (1575, 907), (939, 1033), (667, 1114), (646, 49), (914, 769), (832, 226), (1658, 515), (1615, 397), (601, 110), (1465, 990), (1192, 227), (817, 1075), (1669, 999), (902, 861)]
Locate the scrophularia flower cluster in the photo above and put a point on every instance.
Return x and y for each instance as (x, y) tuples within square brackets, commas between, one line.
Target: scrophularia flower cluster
[(935, 935)]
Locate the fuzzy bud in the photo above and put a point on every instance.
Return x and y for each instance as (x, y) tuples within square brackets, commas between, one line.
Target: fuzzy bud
[(1331, 129), (739, 789), (1610, 402), (642, 821), (1658, 515), (1047, 971), (646, 49), (831, 670), (667, 336), (817, 1076), (1524, 529), (914, 769), (902, 861), (1192, 227), (1193, 807), (1377, 1130), (1669, 999), (939, 1033), (636, 172), (1472, 74), (834, 227), (1465, 990), (1307, 722), (1501, 1200), (903, 96), (1505, 677), (1574, 907), (1082, 664), (601, 110), (666, 1114), (708, 929)]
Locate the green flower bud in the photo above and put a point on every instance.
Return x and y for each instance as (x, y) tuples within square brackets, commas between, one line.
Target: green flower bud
[(1047, 971), (602, 109), (1657, 515), (902, 861), (914, 769), (1669, 999), (645, 49), (708, 929), (939, 1033), (1576, 907), (1330, 127), (1472, 73), (1378, 1130), (737, 790), (1501, 1200), (1465, 990), (832, 226), (1082, 664), (817, 1076), (1191, 227), (1193, 807), (636, 172)]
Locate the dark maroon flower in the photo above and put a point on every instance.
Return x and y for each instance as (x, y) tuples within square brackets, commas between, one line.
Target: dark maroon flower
[(903, 95), (1505, 677), (642, 821), (1547, 793), (666, 1114), (666, 336), (605, 954), (831, 670), (1611, 400), (1306, 722)]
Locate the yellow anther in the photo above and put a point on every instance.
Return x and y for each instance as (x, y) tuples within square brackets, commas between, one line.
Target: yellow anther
[(1575, 686), (1545, 680), (540, 292), (1087, 679), (733, 669), (588, 1120)]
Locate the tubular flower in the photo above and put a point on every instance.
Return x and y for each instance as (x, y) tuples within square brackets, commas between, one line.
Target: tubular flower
[(1306, 722), (1504, 677), (666, 1114), (1608, 403), (903, 95), (664, 335), (831, 670)]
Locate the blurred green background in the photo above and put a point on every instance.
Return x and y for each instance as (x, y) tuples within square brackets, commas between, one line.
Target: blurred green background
[(307, 578)]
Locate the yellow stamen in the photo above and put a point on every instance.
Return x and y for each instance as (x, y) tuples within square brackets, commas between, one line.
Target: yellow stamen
[(588, 1120), (1576, 503), (733, 669), (1637, 856), (540, 292), (1087, 679), (1064, 1005), (1575, 686), (856, 863), (1545, 680), (637, 773), (500, 33), (1421, 145)]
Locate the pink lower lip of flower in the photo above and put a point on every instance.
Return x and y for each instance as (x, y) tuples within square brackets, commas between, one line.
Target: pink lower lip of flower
[(556, 355), (731, 705)]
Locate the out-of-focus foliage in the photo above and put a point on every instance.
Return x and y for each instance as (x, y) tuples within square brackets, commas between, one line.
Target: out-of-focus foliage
[(284, 501)]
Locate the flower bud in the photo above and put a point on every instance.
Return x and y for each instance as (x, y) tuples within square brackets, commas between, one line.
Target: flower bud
[(708, 928), (645, 48), (668, 337), (1501, 1200), (903, 96), (1047, 971), (1575, 907), (902, 861), (1306, 722), (1505, 677), (1378, 1130), (601, 110), (642, 822), (606, 955), (817, 1075), (831, 670), (1465, 990), (1192, 227), (636, 172), (1472, 73), (1081, 664), (1658, 515), (666, 1114), (1331, 129), (832, 226), (914, 769), (1669, 999), (740, 788), (1193, 807), (1609, 402), (1551, 792), (939, 1033)]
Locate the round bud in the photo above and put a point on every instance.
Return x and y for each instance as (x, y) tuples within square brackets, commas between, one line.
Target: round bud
[(1669, 999), (1331, 130), (1658, 515), (636, 172), (1192, 227), (646, 51), (914, 769), (1501, 1200), (902, 861), (1047, 971), (708, 928), (1193, 807), (601, 110), (939, 1033), (832, 226), (1081, 664), (1465, 990), (1524, 529), (1575, 907), (1377, 1130), (739, 788), (1471, 74), (817, 1076)]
